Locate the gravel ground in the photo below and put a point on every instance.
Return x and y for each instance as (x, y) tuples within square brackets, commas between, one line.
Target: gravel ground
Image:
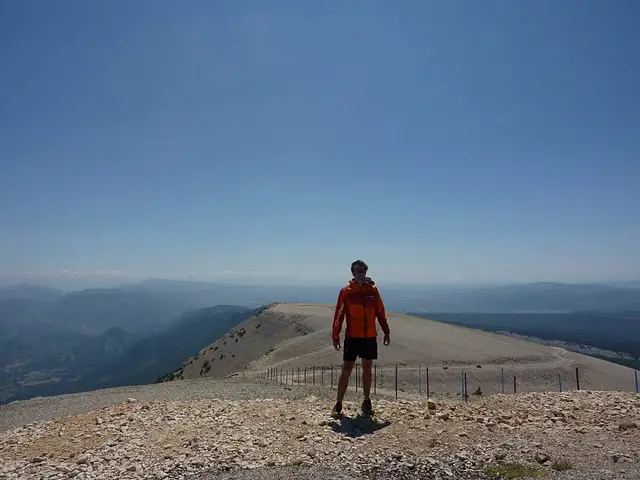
[(275, 473), (47, 408), (297, 473), (273, 431), (312, 473)]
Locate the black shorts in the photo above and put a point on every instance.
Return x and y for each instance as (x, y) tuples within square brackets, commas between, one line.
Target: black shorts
[(365, 348)]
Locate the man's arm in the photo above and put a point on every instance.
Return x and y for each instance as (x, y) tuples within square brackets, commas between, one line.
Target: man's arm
[(339, 315), (381, 314)]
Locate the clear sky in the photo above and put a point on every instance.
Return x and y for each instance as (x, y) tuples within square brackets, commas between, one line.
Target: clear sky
[(439, 141)]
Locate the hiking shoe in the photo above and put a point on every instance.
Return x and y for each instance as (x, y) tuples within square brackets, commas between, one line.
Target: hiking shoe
[(337, 409), (367, 409)]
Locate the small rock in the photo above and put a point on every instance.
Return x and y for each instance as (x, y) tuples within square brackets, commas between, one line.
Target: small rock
[(431, 404), (131, 400), (443, 415), (616, 457), (131, 468), (82, 460), (541, 458)]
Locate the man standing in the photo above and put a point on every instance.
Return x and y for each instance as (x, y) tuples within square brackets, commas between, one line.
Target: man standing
[(360, 304)]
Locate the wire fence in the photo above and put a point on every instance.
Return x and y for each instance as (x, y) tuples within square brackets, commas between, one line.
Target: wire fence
[(461, 381)]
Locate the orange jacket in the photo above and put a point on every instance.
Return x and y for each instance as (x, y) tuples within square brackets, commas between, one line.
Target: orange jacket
[(360, 305)]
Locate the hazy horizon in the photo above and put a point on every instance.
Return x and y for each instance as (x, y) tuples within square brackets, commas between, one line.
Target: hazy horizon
[(75, 282), (492, 142)]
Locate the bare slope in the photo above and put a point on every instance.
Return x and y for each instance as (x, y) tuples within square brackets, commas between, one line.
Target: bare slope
[(298, 335)]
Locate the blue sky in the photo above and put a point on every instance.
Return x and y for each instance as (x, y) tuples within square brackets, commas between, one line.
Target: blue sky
[(439, 141)]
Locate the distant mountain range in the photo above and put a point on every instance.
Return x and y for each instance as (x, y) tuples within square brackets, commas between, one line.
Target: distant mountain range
[(534, 297), (43, 358), (172, 297), (616, 334), (55, 342), (152, 356)]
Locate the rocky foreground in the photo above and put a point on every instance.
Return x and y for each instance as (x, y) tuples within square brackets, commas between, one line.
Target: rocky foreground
[(568, 435)]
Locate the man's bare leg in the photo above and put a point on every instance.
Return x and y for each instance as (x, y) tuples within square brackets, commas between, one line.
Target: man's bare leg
[(343, 382), (366, 377)]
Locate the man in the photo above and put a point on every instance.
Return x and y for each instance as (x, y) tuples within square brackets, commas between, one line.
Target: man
[(360, 304)]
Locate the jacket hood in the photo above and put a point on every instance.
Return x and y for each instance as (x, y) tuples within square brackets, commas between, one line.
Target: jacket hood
[(367, 281)]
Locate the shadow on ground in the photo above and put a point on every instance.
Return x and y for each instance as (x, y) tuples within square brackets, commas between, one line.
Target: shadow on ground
[(358, 426)]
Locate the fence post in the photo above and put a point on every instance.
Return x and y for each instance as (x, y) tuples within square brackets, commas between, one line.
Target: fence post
[(396, 381), (313, 379), (636, 376), (502, 380), (332, 376), (305, 376), (419, 379), (466, 395), (577, 379), (375, 378), (462, 392), (322, 375), (428, 390), (514, 384), (560, 382)]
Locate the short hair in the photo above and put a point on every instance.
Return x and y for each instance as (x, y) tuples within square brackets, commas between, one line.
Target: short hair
[(359, 263)]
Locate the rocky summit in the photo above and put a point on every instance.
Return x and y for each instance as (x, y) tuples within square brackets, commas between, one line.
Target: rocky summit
[(581, 434)]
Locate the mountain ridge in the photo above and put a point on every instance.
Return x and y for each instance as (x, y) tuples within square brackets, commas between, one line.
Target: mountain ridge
[(288, 335)]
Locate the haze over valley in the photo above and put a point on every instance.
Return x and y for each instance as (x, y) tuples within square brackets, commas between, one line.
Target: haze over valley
[(54, 342)]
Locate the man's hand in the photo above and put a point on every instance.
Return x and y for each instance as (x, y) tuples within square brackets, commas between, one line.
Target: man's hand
[(387, 339), (336, 343)]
